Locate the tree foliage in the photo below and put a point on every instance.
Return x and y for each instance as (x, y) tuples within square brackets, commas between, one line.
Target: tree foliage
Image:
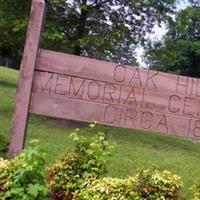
[(195, 3), (13, 24), (179, 52), (105, 29)]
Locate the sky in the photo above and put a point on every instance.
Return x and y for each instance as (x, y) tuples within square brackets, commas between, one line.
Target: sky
[(158, 33)]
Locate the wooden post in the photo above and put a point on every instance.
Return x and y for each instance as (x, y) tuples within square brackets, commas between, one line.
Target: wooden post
[(20, 117)]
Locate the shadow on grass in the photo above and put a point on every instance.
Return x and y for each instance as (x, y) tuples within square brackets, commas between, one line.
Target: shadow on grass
[(156, 140), (7, 84)]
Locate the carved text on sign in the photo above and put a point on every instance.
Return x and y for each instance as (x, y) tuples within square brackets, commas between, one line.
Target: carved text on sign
[(125, 97)]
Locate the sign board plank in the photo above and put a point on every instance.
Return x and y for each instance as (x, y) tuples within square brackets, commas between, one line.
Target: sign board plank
[(90, 90), (20, 116), (116, 94), (126, 75), (127, 117)]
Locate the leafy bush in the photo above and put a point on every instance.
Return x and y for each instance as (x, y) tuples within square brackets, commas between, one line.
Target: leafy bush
[(23, 177), (196, 192), (148, 185), (78, 176), (108, 189), (86, 161), (153, 184), (3, 146)]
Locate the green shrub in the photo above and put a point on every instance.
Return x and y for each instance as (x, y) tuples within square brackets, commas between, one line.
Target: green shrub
[(108, 189), (22, 178), (87, 160), (3, 146), (196, 192), (153, 184), (146, 185), (78, 176)]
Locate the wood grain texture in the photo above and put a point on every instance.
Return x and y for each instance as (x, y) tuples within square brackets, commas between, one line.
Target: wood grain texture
[(20, 117)]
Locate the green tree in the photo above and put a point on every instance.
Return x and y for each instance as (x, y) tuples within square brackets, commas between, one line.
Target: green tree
[(179, 52), (13, 23), (105, 29)]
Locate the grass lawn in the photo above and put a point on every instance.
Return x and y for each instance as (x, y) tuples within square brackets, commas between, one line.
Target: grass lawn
[(133, 149)]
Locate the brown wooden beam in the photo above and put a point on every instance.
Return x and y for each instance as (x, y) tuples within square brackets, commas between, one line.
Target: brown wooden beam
[(20, 117)]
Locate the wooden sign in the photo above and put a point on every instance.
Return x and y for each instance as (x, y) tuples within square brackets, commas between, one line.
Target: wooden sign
[(73, 87)]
